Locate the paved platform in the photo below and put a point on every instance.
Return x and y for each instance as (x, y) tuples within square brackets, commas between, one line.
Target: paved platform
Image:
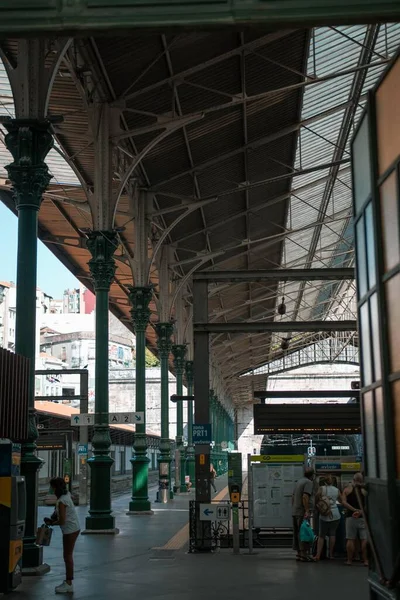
[(149, 557)]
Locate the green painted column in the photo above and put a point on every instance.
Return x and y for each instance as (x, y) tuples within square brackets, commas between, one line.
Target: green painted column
[(219, 416), (190, 453), (29, 141), (213, 421), (179, 351), (140, 298), (102, 245), (164, 344)]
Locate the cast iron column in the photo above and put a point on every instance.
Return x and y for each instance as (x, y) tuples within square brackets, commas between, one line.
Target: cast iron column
[(140, 298), (102, 245), (179, 351), (29, 141), (213, 422), (190, 455), (164, 344)]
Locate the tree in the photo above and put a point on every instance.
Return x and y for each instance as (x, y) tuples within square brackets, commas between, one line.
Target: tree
[(151, 360)]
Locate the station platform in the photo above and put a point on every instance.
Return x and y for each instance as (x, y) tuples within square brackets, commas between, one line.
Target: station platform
[(149, 558)]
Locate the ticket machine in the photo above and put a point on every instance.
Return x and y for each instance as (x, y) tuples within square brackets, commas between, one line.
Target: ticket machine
[(12, 515)]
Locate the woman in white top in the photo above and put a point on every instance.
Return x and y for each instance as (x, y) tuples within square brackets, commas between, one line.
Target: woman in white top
[(327, 498), (66, 517)]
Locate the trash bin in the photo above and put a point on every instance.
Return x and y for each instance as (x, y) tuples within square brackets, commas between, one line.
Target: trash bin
[(163, 491)]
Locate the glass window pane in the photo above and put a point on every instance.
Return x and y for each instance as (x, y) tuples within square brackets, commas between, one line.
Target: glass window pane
[(396, 410), (361, 165), (388, 118), (376, 343), (369, 433), (392, 288), (390, 222), (370, 237), (361, 259), (380, 433), (366, 370)]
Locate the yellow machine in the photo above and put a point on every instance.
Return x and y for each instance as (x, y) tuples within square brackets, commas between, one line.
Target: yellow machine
[(12, 515)]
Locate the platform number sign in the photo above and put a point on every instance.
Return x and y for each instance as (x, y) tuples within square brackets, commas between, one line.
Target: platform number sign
[(201, 434)]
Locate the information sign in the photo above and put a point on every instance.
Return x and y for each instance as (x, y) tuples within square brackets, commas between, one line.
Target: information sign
[(214, 512), (83, 420), (201, 434), (82, 449), (277, 458)]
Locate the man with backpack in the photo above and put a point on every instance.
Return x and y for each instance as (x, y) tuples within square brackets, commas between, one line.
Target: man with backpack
[(301, 510), (326, 503), (355, 524)]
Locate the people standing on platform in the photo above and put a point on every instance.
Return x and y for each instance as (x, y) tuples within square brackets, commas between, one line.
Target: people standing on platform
[(213, 475), (301, 504), (66, 517), (326, 502), (355, 524)]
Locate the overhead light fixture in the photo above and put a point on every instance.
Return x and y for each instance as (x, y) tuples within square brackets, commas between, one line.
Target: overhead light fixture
[(282, 307)]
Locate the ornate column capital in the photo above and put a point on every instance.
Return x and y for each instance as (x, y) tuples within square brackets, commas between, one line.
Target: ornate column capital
[(179, 351), (102, 245), (29, 141), (164, 344), (140, 298)]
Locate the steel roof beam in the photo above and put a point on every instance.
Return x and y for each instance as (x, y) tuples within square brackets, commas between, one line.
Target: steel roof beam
[(179, 77), (259, 207), (277, 275), (344, 133), (275, 326), (307, 394)]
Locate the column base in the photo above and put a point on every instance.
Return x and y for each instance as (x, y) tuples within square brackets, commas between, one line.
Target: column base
[(39, 571), (114, 531), (139, 506), (101, 524), (140, 512), (32, 557), (171, 495)]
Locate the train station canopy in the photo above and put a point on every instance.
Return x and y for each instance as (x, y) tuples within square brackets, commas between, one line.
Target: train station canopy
[(240, 138)]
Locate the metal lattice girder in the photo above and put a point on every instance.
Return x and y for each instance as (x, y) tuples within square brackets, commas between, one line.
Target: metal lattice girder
[(277, 275), (278, 326), (52, 16), (307, 394)]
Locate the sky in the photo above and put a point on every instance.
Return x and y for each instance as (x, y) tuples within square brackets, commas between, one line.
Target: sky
[(53, 277)]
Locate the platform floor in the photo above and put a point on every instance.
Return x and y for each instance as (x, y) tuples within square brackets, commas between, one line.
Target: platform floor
[(149, 558)]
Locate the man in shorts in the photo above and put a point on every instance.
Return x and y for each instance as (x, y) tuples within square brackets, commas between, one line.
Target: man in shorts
[(355, 524), (301, 510)]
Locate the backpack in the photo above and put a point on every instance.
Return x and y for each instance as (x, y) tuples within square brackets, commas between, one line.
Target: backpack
[(323, 504)]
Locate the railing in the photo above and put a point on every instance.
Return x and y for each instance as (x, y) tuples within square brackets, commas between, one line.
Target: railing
[(214, 535), (14, 396)]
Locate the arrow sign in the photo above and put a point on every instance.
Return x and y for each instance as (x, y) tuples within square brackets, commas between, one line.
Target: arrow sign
[(208, 512), (82, 420)]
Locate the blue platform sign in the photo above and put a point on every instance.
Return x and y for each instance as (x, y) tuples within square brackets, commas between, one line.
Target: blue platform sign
[(82, 449), (201, 434)]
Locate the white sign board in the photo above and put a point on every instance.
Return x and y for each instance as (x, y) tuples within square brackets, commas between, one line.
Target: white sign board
[(214, 512), (126, 418), (273, 486), (83, 420)]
